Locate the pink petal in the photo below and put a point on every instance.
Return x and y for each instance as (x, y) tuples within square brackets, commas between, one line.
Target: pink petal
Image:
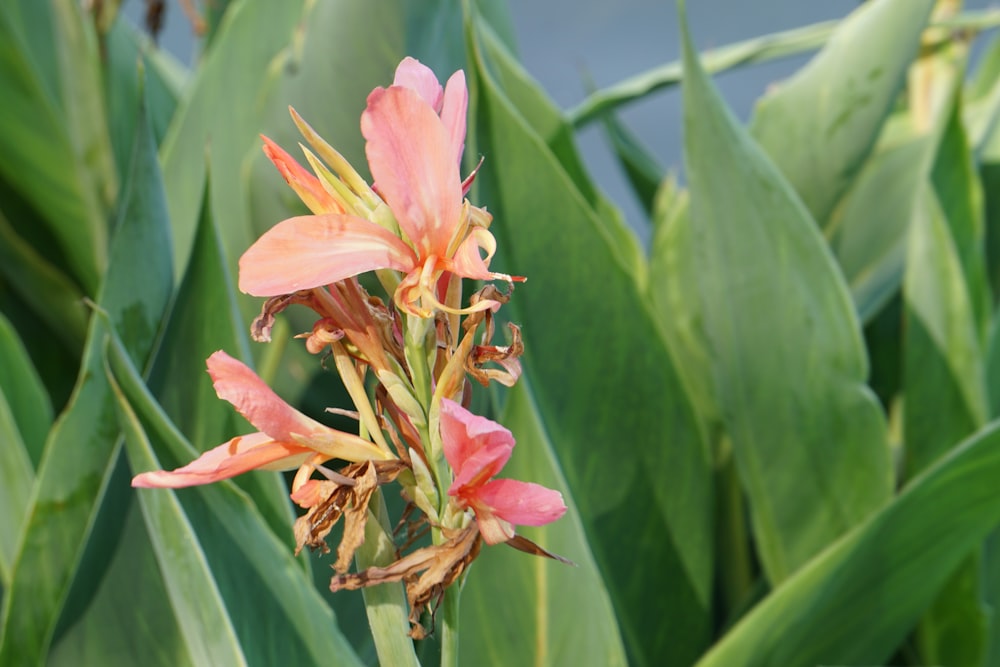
[(315, 250), (236, 383), (453, 113), (412, 159), (239, 455), (472, 444), (521, 503), (416, 76), (305, 184)]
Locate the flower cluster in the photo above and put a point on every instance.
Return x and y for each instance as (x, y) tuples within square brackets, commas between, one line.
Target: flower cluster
[(415, 230)]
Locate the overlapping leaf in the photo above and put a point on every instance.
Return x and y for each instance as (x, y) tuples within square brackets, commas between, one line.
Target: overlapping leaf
[(855, 602), (67, 539), (586, 328), (520, 609), (787, 359)]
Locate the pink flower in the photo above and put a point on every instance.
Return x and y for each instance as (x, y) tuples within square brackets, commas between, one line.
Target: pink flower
[(287, 438), (477, 448), (415, 133)]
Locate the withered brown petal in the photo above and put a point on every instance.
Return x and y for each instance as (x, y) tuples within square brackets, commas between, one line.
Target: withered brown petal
[(356, 516), (522, 543), (443, 563)]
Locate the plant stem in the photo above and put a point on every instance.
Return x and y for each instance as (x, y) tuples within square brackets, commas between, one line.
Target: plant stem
[(449, 625)]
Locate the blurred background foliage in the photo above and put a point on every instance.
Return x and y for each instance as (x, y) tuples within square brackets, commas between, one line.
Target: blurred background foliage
[(773, 422)]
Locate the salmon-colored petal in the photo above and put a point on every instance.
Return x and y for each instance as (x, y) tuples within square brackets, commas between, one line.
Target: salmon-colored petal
[(235, 382), (521, 503), (411, 158), (416, 76), (453, 112), (468, 263), (316, 250), (239, 455), (472, 443), (306, 185)]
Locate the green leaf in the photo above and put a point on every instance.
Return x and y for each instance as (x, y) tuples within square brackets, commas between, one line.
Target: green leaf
[(220, 116), (271, 603), (944, 383), (819, 126), (77, 507), (788, 362), (127, 621), (17, 474), (29, 404), (638, 476), (41, 162), (855, 602), (519, 609), (204, 318), (641, 168), (207, 630), (47, 290), (945, 392)]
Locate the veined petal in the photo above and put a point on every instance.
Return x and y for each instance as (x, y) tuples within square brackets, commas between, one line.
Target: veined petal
[(306, 185), (412, 161), (239, 455), (473, 442), (453, 112), (315, 250), (479, 467), (413, 74), (252, 398), (521, 503)]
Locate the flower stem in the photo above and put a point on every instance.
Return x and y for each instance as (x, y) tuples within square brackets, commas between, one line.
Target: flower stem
[(449, 625)]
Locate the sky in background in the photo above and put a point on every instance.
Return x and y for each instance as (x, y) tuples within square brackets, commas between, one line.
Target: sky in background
[(562, 43)]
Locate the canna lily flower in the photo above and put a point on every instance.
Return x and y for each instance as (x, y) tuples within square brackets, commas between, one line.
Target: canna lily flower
[(287, 438), (415, 134), (477, 448)]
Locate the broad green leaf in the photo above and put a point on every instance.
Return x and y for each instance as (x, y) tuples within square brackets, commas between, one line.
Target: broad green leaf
[(947, 305), (204, 318), (128, 620), (855, 602), (868, 228), (135, 67), (944, 384), (990, 574), (519, 609), (638, 475), (788, 362), (673, 278), (434, 30), (79, 59), (17, 474), (41, 162), (819, 126), (641, 168), (51, 295), (220, 115), (29, 404), (77, 507), (271, 603), (945, 401), (207, 630), (551, 125)]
